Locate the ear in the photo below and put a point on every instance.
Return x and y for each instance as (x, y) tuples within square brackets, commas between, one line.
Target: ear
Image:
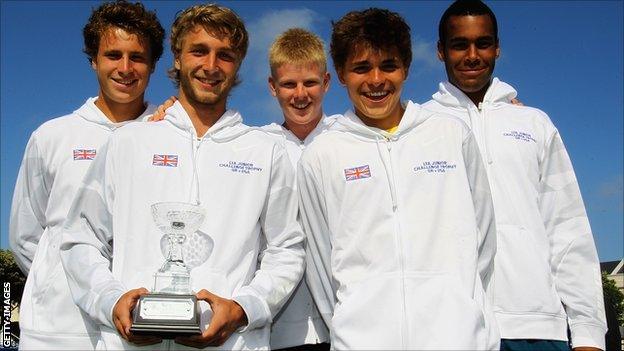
[(176, 63), (440, 51), (272, 87), (326, 80), (93, 64), (497, 50)]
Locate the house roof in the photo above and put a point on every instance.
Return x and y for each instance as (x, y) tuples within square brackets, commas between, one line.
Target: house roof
[(612, 267)]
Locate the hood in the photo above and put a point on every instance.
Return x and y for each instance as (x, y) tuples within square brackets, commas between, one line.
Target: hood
[(228, 126), (351, 123), (498, 92), (93, 114), (280, 130)]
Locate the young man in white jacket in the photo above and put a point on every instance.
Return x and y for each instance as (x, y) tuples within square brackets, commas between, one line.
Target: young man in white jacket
[(396, 207), (201, 154), (299, 81), (123, 42), (547, 276)]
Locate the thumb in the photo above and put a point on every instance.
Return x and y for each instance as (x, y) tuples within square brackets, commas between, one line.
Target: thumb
[(207, 296)]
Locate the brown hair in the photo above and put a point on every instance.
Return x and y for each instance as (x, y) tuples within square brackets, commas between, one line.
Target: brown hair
[(297, 46), (131, 17), (217, 20), (373, 28)]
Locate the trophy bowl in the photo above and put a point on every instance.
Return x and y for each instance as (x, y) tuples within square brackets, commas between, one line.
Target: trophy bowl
[(171, 309)]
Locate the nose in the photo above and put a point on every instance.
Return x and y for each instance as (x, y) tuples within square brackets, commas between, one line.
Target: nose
[(124, 65), (300, 91), (376, 76), (210, 63), (472, 56)]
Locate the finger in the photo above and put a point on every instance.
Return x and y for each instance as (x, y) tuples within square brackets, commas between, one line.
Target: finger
[(121, 329), (207, 296)]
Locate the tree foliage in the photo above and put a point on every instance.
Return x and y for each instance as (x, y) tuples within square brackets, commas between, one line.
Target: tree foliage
[(613, 296), (12, 274)]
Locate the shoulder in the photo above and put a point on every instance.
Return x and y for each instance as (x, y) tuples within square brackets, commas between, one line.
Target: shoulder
[(527, 115), (58, 127)]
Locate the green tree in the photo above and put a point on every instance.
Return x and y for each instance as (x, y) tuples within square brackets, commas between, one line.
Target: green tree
[(12, 274), (614, 296)]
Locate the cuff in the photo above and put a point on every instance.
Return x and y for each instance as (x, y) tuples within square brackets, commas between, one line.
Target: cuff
[(588, 335), (256, 309), (109, 300)]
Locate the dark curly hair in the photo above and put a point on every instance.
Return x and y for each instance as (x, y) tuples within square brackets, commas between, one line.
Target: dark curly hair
[(131, 17), (465, 8), (374, 28)]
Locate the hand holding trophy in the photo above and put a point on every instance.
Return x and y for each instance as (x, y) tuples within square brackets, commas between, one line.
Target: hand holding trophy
[(171, 309)]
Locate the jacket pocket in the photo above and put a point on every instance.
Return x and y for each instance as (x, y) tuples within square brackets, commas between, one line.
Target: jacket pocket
[(522, 279)]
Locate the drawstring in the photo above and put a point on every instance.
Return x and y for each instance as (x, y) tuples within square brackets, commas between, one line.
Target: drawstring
[(486, 148), (195, 173), (388, 169)]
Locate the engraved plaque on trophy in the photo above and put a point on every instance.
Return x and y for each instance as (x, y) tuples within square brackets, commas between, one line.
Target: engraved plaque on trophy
[(171, 308)]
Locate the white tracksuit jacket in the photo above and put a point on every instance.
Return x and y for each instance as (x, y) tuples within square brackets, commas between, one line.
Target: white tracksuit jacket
[(57, 157), (401, 235), (299, 321), (240, 176), (546, 266)]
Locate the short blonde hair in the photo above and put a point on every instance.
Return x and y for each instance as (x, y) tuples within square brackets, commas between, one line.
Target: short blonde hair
[(297, 46), (216, 20)]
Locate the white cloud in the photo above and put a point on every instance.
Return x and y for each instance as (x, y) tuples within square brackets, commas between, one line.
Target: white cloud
[(612, 188), (424, 55)]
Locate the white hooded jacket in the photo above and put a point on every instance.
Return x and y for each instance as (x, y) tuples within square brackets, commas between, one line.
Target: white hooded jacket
[(240, 176), (56, 159), (299, 321), (546, 267), (401, 234)]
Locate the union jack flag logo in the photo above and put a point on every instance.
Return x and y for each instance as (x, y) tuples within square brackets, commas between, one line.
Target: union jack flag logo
[(356, 173), (84, 154), (165, 160)]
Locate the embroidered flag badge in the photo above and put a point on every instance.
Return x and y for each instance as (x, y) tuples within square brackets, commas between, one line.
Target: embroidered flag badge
[(356, 173), (165, 160), (84, 154)]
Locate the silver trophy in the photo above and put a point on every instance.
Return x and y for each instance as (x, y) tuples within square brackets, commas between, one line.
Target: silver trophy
[(171, 308)]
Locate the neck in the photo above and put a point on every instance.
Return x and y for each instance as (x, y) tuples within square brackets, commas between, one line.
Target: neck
[(393, 119), (301, 131), (476, 97), (120, 112), (203, 116)]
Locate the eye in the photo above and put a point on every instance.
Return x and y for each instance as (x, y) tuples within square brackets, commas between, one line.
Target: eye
[(310, 83), (288, 85), (198, 52), (389, 67), (360, 69), (113, 55), (459, 45), (227, 56), (485, 43), (138, 58)]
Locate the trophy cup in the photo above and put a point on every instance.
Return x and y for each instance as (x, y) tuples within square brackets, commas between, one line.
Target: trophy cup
[(171, 308)]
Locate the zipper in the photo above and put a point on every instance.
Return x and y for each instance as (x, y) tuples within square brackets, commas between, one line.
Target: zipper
[(195, 183), (398, 241), (484, 137)]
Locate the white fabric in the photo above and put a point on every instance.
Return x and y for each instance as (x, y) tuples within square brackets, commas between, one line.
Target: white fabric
[(400, 259), (48, 178), (240, 176), (546, 269), (299, 321)]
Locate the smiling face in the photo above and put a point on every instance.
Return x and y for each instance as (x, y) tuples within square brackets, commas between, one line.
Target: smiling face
[(123, 68), (299, 89), (469, 54), (374, 80), (208, 67)]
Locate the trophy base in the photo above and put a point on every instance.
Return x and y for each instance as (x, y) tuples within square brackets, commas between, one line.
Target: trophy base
[(166, 315)]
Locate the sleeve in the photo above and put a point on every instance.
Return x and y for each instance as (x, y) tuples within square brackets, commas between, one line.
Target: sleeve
[(318, 249), (30, 200), (574, 260), (281, 266), (86, 247), (483, 207)]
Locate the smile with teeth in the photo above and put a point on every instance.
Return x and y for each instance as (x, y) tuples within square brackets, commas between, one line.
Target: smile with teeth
[(376, 95), (208, 81), (124, 81), (301, 106)]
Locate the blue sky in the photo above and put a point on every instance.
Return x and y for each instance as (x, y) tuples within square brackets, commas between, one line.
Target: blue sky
[(563, 57)]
